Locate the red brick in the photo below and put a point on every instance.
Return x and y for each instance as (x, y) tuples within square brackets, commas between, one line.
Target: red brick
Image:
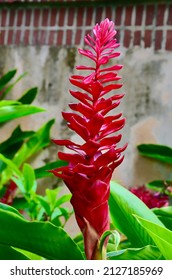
[(11, 17), (3, 17), (80, 15), (53, 16), (89, 15), (17, 37), (168, 45), (128, 15), (99, 11), (2, 37), (148, 38), (28, 17), (62, 12), (127, 37), (59, 37), (78, 36), (42, 37), (51, 37), (69, 37), (36, 37), (139, 14), (26, 37), (118, 36), (19, 17), (45, 14), (108, 12), (158, 39), (150, 13), (137, 38), (160, 14), (119, 11), (10, 37), (169, 20), (36, 17), (71, 13)]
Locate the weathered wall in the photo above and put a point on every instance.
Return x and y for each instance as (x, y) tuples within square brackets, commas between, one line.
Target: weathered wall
[(146, 43)]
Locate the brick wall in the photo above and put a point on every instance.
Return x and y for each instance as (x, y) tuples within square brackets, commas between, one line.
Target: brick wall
[(146, 25)]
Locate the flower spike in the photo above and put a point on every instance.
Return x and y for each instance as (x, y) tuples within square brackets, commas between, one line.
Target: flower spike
[(92, 163)]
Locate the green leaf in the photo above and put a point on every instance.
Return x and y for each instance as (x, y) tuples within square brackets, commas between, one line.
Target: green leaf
[(160, 186), (165, 215), (123, 204), (10, 87), (145, 253), (11, 169), (8, 253), (10, 146), (29, 177), (155, 151), (8, 113), (38, 141), (5, 79), (29, 96), (43, 170), (41, 238), (161, 236), (9, 103), (62, 199), (6, 207)]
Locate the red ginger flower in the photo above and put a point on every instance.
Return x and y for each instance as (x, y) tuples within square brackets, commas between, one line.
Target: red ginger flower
[(91, 166), (150, 198)]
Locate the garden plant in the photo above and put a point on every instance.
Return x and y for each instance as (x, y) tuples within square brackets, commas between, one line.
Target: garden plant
[(114, 223)]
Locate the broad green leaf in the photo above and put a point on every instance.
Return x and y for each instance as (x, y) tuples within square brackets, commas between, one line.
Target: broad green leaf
[(145, 253), (123, 204), (8, 253), (41, 238), (38, 141), (10, 146), (165, 215), (6, 207), (8, 113), (155, 151), (29, 96), (161, 236), (5, 79), (43, 171), (29, 177)]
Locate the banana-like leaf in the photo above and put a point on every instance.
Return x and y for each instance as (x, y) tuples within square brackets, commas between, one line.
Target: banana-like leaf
[(123, 204), (41, 238), (145, 253), (161, 236), (155, 151), (9, 253), (165, 215)]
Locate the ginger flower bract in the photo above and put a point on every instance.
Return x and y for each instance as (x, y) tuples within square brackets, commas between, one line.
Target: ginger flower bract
[(92, 163)]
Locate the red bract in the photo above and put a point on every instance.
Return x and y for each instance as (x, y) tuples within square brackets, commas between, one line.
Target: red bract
[(151, 199), (9, 194), (92, 163)]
